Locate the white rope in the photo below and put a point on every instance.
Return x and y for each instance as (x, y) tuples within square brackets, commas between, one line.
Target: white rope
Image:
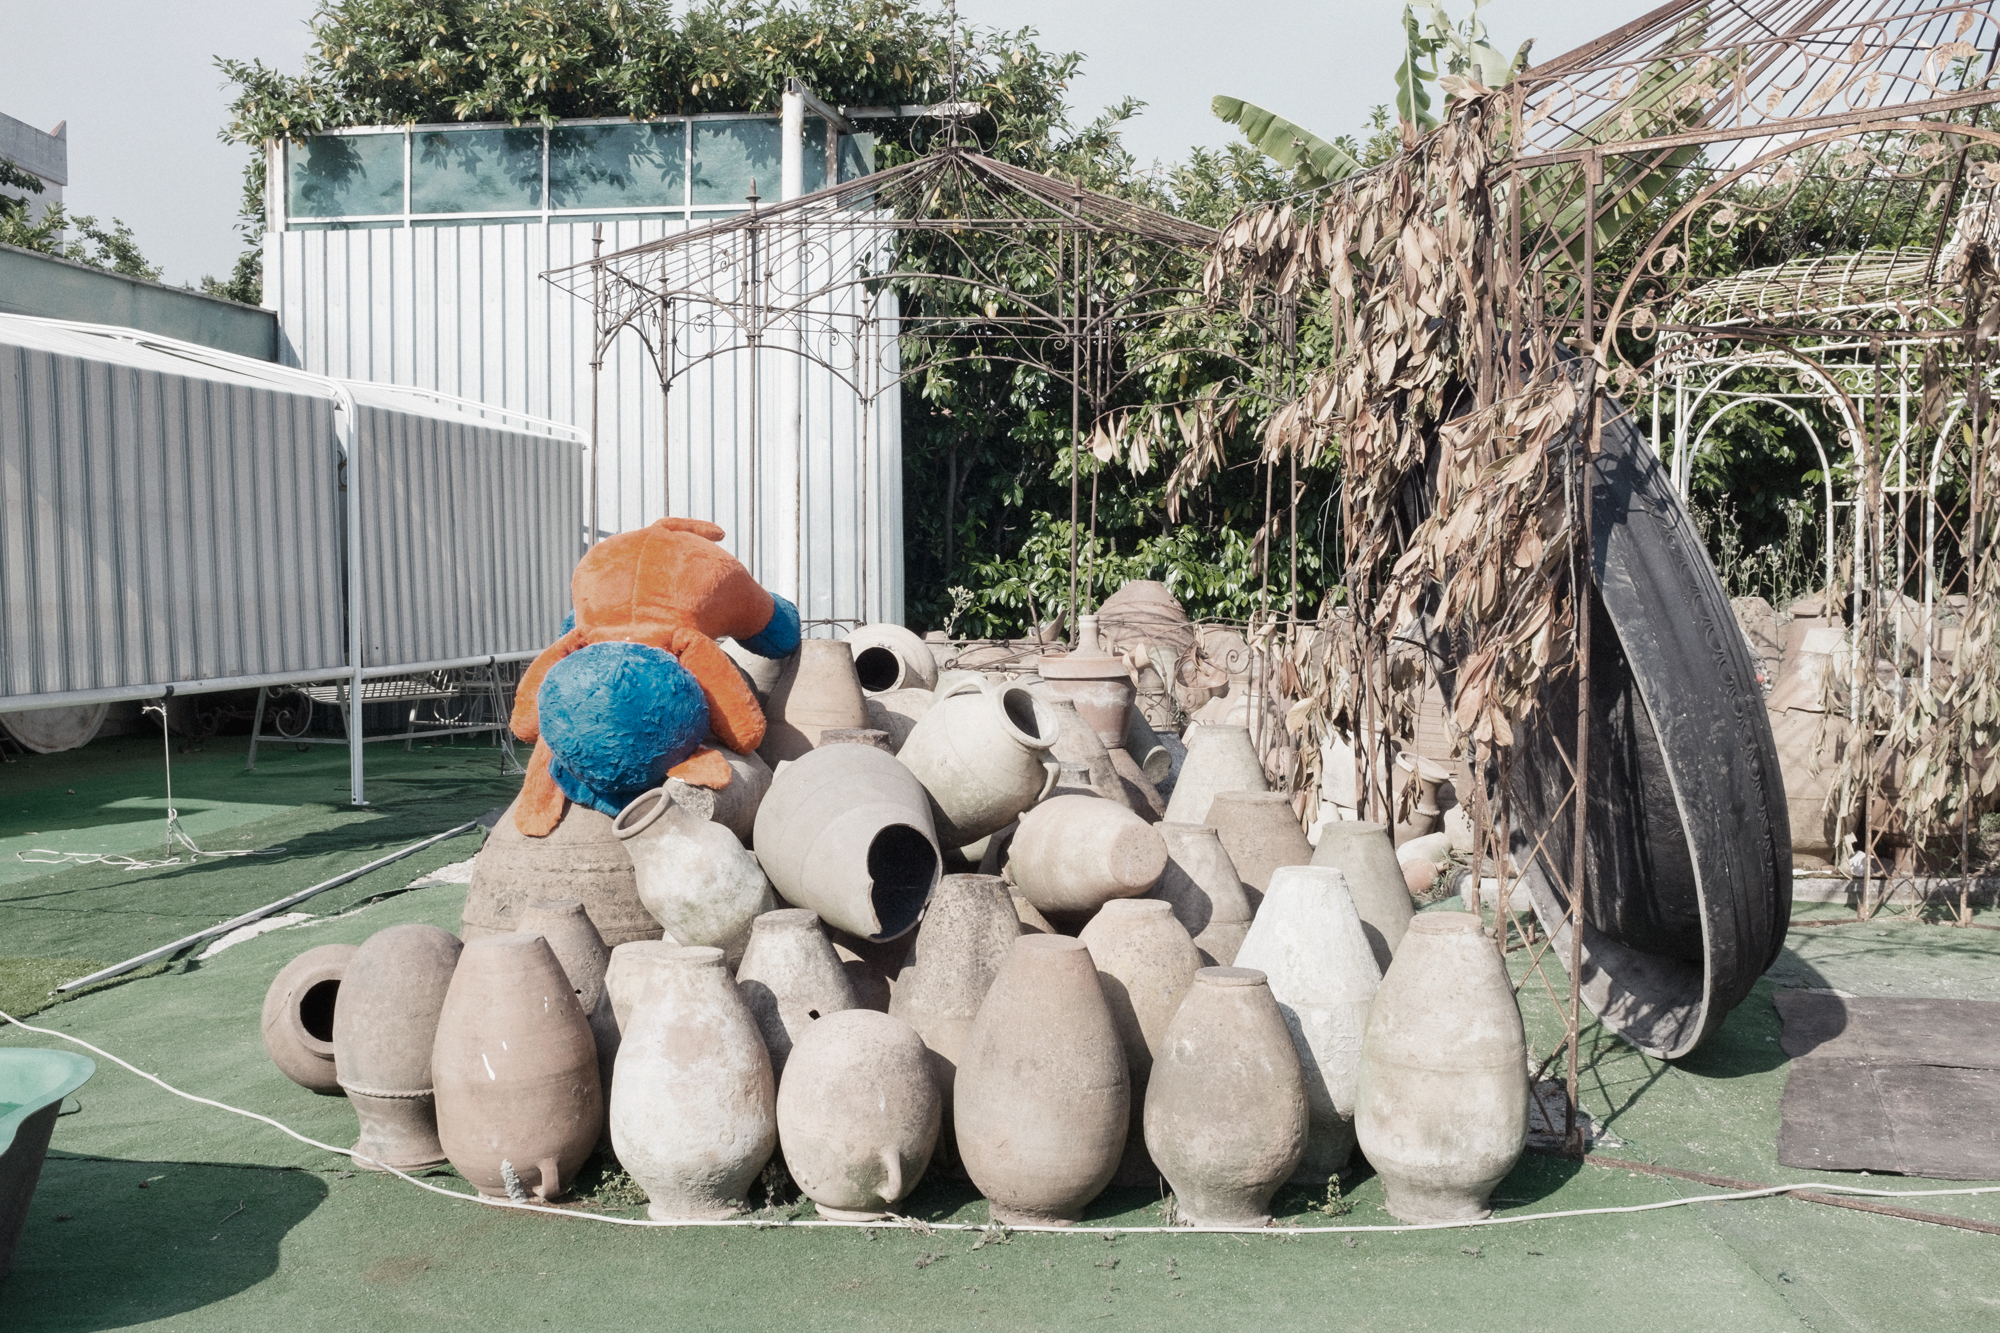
[(913, 1224)]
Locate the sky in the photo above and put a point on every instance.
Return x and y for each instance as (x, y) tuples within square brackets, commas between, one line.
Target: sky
[(136, 81)]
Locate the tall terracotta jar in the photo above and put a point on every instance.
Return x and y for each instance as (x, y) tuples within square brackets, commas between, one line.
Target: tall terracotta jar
[(983, 755), (1145, 963), (816, 689), (298, 1016), (790, 979), (1218, 759), (1201, 885), (858, 1114), (847, 831), (1073, 854), (582, 859), (382, 1035), (1362, 852), (692, 874), (889, 657), (693, 1103), (1226, 1107), (1442, 1110), (1307, 939), (1042, 1099), (516, 1069), (584, 959), (1261, 833), (1097, 682)]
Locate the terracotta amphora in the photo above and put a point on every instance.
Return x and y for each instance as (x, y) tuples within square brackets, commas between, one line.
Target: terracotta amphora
[(1073, 854), (983, 755), (790, 978), (889, 657), (580, 949), (1219, 759), (1042, 1100), (298, 1017), (1261, 833), (1442, 1108), (1099, 683), (693, 1104), (519, 1104), (1201, 885), (847, 831), (1226, 1106), (692, 873), (1145, 964), (816, 689), (1307, 940), (582, 859), (858, 1114), (383, 1030), (1362, 852)]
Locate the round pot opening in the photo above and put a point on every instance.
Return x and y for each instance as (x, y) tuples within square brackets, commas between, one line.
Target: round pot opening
[(1033, 719), (904, 868), (316, 1008), (878, 669), (643, 810)]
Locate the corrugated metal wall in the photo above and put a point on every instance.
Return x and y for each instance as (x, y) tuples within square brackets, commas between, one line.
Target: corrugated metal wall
[(462, 310)]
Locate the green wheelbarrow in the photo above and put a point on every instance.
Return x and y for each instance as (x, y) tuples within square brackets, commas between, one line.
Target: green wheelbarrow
[(33, 1084)]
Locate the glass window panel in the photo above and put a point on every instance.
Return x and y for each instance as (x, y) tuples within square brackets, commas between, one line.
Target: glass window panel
[(857, 156), (729, 154), (815, 155), (617, 166), (345, 175), (476, 171)]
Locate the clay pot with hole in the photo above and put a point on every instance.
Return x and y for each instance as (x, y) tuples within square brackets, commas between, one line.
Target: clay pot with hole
[(1201, 885), (889, 657), (790, 978), (1145, 964), (298, 1017), (383, 1032), (1074, 854), (582, 859), (692, 874), (982, 754), (816, 689), (858, 1114)]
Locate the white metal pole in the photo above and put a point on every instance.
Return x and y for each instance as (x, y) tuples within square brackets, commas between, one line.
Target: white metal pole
[(346, 421), (787, 262)]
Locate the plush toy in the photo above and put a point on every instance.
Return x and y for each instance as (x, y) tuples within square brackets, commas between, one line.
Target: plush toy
[(627, 695)]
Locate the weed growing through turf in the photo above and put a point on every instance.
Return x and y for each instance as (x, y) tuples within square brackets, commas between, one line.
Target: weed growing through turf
[(1335, 1204)]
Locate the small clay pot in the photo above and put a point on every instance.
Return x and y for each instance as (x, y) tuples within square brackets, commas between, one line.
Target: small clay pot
[(692, 874), (383, 1031), (816, 689), (858, 1114), (298, 1017), (1260, 833), (1201, 885), (1155, 761), (1076, 853), (1363, 854), (889, 657), (1219, 759), (790, 978), (1419, 875), (581, 859), (1145, 963)]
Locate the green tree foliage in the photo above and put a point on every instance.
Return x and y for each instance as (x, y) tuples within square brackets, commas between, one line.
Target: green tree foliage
[(115, 250)]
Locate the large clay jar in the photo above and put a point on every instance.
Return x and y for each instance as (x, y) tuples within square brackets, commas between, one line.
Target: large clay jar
[(983, 755), (889, 657), (382, 1036), (1307, 940), (735, 806), (847, 832), (1201, 885), (1042, 1099), (1218, 759), (582, 859), (1077, 746), (693, 875), (1145, 964), (1074, 854), (580, 950), (858, 1114), (790, 979), (693, 1104), (1226, 1107), (1099, 684), (1260, 833), (516, 1067), (1443, 1105), (631, 967), (1363, 853), (817, 689), (298, 1016)]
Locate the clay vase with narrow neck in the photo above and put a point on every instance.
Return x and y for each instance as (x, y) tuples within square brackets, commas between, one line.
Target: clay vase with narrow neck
[(816, 689), (692, 874), (1042, 1100), (1226, 1106), (1219, 759), (1442, 1106), (298, 1017), (735, 806), (1074, 854), (584, 959), (982, 753), (383, 1031), (1201, 885), (1307, 940), (889, 657), (847, 831), (790, 978), (1362, 852), (582, 859), (858, 1114), (693, 1103), (1261, 833), (1145, 964), (519, 1104), (1099, 684)]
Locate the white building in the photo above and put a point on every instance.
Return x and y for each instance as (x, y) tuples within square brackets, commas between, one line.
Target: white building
[(44, 156)]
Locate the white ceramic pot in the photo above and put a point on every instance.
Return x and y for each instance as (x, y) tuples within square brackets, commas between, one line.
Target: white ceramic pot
[(1219, 759), (693, 875), (983, 755), (889, 657)]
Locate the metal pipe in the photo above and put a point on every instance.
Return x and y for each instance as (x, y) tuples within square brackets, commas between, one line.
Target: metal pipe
[(788, 265)]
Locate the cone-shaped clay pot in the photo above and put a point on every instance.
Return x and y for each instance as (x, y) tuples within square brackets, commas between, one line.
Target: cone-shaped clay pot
[(1260, 833), (583, 859), (1218, 759), (516, 1069), (1145, 964), (383, 1031), (1226, 1106), (1032, 921), (1042, 1100), (790, 978), (847, 832), (1443, 1103), (1077, 746), (298, 1016), (889, 657), (858, 1114), (1201, 885), (693, 875), (580, 949), (817, 689), (983, 755), (693, 1105), (1308, 941), (735, 806), (1362, 852), (1076, 853)]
